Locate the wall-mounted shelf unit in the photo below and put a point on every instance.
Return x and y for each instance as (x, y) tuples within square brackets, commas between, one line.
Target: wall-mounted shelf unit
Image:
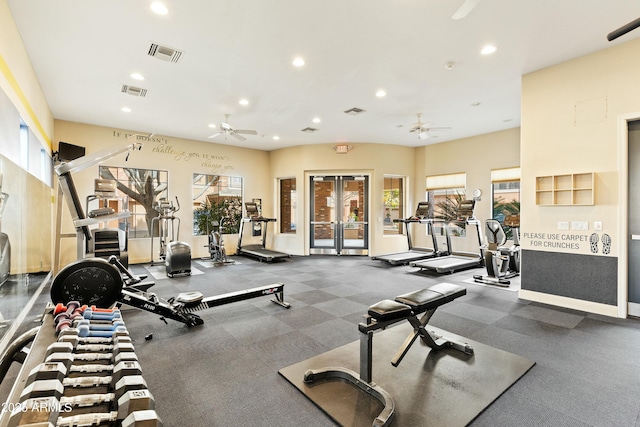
[(565, 190)]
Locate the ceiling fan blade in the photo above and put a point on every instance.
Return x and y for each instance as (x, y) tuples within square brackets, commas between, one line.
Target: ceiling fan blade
[(214, 135), (246, 132), (465, 9), (623, 30), (235, 135), (437, 129)]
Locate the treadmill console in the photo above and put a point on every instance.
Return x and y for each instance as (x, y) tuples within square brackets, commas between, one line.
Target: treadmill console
[(252, 209), (422, 211)]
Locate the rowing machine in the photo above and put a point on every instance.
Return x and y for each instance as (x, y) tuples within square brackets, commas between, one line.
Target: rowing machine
[(95, 281)]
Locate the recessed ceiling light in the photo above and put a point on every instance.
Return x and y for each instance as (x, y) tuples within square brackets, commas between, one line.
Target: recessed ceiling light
[(381, 93), (276, 137), (136, 76), (212, 125), (159, 8), (298, 62), (488, 49), (244, 101), (316, 120), (126, 109)]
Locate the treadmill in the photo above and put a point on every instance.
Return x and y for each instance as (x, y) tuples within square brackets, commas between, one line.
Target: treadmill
[(414, 253), (258, 251), (457, 260)]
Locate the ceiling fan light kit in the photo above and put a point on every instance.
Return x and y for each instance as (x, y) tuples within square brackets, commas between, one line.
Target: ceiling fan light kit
[(227, 130), (422, 129)]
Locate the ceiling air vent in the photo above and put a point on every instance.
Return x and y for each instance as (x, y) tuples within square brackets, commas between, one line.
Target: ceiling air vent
[(165, 53), (309, 130), (133, 90), (354, 111)]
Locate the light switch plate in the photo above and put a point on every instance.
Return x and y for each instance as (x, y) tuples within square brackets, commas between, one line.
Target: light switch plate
[(579, 225)]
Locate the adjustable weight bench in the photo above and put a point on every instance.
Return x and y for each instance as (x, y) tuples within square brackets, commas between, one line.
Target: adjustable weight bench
[(383, 314)]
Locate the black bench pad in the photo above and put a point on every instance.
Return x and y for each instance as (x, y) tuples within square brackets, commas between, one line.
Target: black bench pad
[(389, 310), (427, 299)]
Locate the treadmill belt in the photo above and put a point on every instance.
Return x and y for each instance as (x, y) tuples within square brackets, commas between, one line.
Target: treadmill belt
[(449, 263)]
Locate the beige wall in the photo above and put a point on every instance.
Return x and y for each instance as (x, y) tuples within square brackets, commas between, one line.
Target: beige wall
[(374, 160), (476, 157), (28, 217), (570, 116), (181, 158)]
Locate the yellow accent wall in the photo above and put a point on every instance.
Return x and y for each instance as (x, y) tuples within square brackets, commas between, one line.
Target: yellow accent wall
[(19, 81)]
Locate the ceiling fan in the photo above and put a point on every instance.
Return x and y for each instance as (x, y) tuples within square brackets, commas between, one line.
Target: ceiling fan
[(465, 9), (227, 130), (422, 129)]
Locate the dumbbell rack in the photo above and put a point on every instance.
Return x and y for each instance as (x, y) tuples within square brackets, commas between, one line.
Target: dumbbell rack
[(96, 380)]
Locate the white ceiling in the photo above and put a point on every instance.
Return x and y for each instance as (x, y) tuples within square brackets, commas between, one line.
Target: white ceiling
[(84, 51)]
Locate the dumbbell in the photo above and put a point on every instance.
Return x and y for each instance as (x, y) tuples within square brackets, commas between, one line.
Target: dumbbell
[(129, 379), (103, 310), (71, 335), (124, 367), (68, 347), (101, 315), (64, 315), (120, 352), (85, 332), (69, 308), (98, 326), (59, 412)]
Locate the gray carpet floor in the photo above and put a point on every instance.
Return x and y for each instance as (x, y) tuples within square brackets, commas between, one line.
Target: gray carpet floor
[(225, 372)]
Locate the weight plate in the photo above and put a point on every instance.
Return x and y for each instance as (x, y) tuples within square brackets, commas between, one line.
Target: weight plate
[(90, 281)]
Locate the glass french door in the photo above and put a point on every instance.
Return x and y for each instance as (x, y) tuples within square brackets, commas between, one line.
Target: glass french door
[(339, 215)]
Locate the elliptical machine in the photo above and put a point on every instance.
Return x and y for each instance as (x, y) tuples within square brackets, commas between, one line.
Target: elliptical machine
[(501, 262), (175, 255)]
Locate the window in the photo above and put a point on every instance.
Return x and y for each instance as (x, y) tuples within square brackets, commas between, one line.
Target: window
[(33, 157), (24, 145), (505, 190), (444, 193), (393, 204), (288, 202), (138, 190), (216, 199)]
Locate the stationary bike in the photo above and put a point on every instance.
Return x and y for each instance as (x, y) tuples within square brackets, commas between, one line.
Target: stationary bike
[(502, 262), (216, 245)]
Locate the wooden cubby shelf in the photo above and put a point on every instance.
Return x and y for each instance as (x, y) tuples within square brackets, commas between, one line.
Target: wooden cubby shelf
[(565, 190)]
